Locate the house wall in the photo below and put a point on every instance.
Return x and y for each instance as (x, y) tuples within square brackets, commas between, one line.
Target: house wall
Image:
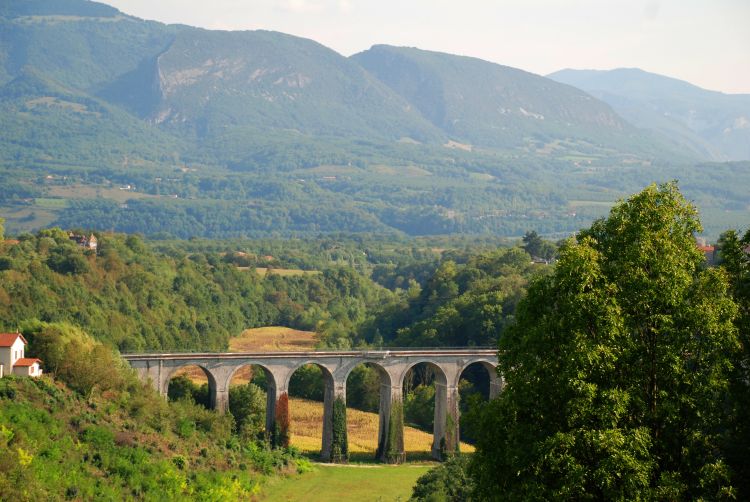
[(9, 355), (5, 357), (32, 370)]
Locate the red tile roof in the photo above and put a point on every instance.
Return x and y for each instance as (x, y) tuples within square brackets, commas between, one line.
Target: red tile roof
[(27, 361), (707, 249), (8, 339)]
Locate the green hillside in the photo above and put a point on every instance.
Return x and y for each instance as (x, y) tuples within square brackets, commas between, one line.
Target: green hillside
[(45, 123)]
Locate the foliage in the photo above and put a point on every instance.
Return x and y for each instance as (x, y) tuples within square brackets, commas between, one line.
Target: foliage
[(308, 382), (117, 439), (617, 369), (340, 445), (419, 406), (448, 482), (735, 260), (281, 422), (247, 404), (394, 446), (75, 358), (538, 247), (137, 299), (461, 304), (363, 389)]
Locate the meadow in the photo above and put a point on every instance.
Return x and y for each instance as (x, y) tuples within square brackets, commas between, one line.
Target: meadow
[(362, 483)]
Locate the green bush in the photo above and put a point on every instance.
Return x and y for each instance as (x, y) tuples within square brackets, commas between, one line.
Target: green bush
[(247, 404), (448, 482)]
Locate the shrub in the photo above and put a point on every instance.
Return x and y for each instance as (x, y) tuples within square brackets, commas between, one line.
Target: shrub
[(447, 482), (247, 404)]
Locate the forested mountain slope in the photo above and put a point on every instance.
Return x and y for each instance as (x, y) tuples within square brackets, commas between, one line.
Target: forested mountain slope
[(488, 104)]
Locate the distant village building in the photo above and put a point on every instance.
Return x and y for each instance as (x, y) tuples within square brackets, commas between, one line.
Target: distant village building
[(89, 242), (12, 357), (709, 252)]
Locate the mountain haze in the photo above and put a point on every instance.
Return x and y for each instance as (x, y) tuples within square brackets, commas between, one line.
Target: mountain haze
[(489, 104), (208, 81), (111, 121), (711, 124), (205, 86)]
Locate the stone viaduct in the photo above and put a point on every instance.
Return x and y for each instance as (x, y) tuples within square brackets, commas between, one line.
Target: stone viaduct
[(392, 365)]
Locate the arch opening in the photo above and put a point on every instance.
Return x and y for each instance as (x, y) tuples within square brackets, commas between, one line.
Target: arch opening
[(476, 385), (193, 383), (310, 390), (368, 387), (424, 390), (249, 400)]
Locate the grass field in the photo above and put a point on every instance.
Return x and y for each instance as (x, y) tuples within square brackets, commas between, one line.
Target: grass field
[(347, 483), (97, 191), (284, 272), (272, 338)]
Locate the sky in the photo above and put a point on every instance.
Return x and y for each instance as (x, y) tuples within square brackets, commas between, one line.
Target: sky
[(706, 42)]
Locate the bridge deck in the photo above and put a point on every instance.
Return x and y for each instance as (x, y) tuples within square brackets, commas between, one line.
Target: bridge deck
[(373, 353)]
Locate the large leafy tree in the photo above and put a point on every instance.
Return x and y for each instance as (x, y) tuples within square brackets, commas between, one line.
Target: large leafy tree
[(735, 259), (617, 370)]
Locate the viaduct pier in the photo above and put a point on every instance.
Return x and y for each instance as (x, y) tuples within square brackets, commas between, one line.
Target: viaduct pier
[(392, 366)]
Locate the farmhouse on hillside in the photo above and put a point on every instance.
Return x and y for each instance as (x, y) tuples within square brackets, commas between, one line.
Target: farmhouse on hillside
[(12, 360)]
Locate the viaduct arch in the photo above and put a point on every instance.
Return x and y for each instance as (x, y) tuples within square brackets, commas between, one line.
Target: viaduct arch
[(392, 365)]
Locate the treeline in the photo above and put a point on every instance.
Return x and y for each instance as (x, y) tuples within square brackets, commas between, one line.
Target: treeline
[(468, 299), (136, 299)]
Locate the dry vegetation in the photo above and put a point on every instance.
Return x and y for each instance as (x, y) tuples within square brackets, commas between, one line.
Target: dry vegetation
[(270, 338), (362, 428), (285, 272)]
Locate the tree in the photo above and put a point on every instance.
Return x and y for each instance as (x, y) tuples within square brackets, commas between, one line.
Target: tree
[(2, 229), (735, 260), (537, 247), (617, 369), (247, 404)]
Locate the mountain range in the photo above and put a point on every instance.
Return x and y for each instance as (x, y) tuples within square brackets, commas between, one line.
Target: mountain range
[(710, 124), (202, 86), (303, 139)]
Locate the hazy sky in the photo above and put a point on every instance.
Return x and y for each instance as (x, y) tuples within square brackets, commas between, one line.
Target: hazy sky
[(706, 42)]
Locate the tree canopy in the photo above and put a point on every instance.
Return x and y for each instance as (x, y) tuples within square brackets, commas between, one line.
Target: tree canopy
[(617, 369)]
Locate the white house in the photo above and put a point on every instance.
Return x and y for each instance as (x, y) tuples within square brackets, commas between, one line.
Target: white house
[(27, 367), (12, 358)]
